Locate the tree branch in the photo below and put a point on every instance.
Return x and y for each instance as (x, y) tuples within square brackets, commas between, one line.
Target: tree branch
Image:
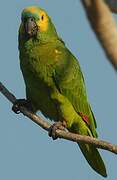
[(61, 134), (104, 26)]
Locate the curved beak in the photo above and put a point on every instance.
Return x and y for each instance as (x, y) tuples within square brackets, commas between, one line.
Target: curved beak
[(30, 27)]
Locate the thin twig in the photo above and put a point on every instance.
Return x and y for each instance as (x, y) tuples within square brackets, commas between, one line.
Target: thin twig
[(61, 134)]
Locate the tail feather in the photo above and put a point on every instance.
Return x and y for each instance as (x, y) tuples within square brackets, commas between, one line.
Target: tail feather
[(89, 151), (93, 158)]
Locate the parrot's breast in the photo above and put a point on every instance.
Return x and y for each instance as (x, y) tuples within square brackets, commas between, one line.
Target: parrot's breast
[(37, 69)]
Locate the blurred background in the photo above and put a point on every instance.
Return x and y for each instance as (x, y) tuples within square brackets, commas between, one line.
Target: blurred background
[(26, 151)]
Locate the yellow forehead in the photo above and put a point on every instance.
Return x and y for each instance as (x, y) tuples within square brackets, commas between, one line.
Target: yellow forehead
[(32, 9), (35, 10)]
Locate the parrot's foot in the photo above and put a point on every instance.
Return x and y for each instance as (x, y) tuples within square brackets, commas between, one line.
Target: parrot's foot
[(58, 125), (21, 103)]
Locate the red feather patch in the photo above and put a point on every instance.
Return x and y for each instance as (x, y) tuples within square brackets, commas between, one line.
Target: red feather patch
[(84, 117)]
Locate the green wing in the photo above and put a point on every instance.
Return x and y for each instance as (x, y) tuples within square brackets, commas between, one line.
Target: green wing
[(70, 82)]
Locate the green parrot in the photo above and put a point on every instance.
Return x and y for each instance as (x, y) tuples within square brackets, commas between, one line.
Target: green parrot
[(54, 81)]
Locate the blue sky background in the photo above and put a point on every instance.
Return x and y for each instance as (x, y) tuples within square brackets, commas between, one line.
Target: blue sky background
[(26, 151)]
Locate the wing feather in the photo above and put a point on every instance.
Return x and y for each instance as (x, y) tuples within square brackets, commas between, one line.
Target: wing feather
[(70, 81)]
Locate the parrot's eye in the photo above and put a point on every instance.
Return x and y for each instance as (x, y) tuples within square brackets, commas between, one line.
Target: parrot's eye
[(42, 17)]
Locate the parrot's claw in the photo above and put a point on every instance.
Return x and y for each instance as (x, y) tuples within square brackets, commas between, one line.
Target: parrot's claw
[(21, 103), (58, 125)]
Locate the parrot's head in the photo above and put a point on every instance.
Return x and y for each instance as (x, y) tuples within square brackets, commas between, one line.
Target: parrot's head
[(35, 23)]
